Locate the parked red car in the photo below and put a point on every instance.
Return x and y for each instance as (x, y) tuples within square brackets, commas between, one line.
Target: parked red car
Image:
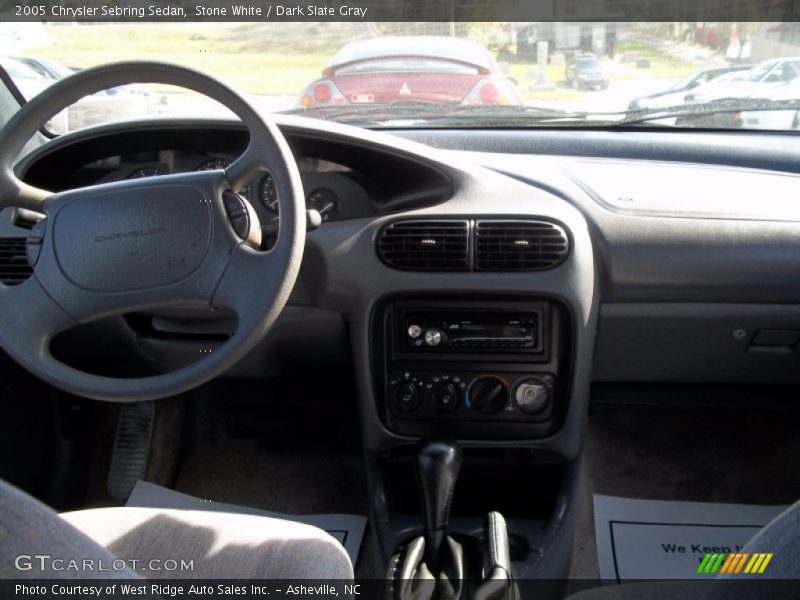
[(392, 70)]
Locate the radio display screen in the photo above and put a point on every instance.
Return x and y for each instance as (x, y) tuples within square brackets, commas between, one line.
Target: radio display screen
[(452, 331)]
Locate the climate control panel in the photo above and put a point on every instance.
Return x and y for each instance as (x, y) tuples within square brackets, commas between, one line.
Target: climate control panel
[(464, 395)]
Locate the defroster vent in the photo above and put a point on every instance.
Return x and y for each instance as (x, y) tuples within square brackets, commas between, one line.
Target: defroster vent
[(519, 245), (14, 267), (435, 245)]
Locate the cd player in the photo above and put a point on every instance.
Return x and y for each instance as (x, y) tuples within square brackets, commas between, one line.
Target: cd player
[(431, 330)]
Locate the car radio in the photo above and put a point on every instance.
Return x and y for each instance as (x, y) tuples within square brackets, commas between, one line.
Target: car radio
[(470, 366), (453, 331)]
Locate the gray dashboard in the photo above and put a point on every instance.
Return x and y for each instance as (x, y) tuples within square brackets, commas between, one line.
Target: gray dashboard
[(640, 294), (667, 295), (709, 297)]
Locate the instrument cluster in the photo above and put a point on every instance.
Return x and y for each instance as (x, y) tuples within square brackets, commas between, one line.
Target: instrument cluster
[(261, 193)]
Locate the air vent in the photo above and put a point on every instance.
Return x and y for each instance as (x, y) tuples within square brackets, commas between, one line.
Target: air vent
[(425, 245), (519, 245), (14, 267)]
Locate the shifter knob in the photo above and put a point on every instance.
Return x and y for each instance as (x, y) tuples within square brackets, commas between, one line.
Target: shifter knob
[(438, 464)]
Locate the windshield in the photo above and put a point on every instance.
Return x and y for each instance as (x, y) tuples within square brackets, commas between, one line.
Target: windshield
[(407, 74), (17, 70), (756, 73), (407, 65), (588, 63)]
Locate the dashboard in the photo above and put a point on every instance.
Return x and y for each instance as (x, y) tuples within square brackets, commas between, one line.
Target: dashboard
[(483, 284), (649, 283)]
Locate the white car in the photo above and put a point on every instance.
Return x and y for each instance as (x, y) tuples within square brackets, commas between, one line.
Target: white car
[(762, 81), (775, 119), (673, 96), (30, 82), (123, 102), (32, 75)]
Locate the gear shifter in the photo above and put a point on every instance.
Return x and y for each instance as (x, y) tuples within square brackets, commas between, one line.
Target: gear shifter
[(454, 566), (438, 464)]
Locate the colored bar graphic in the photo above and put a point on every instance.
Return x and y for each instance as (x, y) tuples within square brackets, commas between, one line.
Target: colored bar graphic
[(710, 566), (702, 566), (735, 562), (753, 561), (728, 562), (741, 562), (718, 563), (767, 558)]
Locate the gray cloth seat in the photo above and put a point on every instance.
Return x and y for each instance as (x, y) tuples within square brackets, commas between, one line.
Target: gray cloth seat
[(781, 537), (159, 543)]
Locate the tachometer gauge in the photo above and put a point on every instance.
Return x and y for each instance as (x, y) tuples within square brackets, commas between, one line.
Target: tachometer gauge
[(216, 164), (143, 172), (324, 201), (269, 195)]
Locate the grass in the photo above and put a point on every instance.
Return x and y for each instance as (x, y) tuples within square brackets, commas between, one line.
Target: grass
[(260, 58), (526, 75), (663, 65)]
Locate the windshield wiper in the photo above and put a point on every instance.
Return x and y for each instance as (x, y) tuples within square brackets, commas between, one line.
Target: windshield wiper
[(448, 115), (505, 116), (435, 114), (710, 108)]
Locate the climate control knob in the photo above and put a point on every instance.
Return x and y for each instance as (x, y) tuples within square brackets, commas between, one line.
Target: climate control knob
[(446, 397), (488, 395), (405, 397)]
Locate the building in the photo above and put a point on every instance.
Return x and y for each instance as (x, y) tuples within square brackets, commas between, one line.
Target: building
[(598, 38)]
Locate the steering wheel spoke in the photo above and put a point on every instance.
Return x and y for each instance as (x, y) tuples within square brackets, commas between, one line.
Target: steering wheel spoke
[(31, 319), (238, 291), (140, 245), (14, 193)]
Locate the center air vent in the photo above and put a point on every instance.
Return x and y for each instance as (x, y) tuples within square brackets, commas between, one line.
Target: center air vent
[(519, 245), (425, 245), (14, 267)]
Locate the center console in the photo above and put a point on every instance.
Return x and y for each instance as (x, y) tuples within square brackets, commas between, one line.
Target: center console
[(494, 375), (471, 368)]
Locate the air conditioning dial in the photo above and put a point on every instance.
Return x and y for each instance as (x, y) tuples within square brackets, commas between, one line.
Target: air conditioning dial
[(406, 397), (446, 397), (488, 394)]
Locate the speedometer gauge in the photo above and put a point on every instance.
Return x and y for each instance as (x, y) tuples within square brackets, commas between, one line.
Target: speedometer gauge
[(214, 164), (217, 164), (143, 172), (269, 195)]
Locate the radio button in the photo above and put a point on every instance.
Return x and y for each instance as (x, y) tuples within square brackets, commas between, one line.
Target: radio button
[(446, 397)]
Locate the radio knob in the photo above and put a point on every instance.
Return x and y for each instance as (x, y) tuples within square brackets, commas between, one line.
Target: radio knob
[(414, 331), (433, 337), (446, 397), (405, 397), (488, 395)]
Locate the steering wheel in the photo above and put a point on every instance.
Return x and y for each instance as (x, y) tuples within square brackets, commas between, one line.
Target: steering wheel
[(141, 244)]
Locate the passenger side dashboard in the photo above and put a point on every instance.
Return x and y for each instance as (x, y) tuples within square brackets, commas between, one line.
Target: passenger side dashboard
[(704, 288)]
